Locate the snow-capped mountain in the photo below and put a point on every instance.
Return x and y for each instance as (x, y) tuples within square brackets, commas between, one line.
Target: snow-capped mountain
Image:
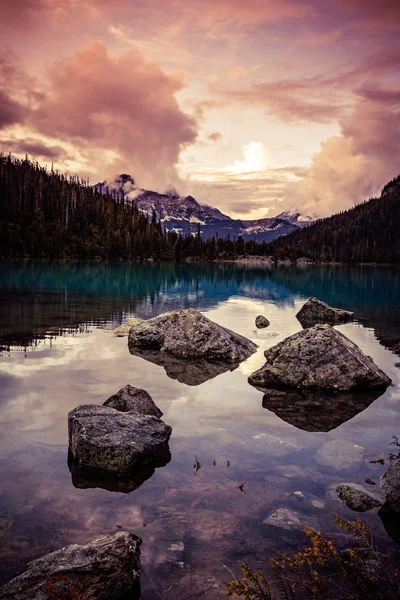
[(295, 218), (185, 215)]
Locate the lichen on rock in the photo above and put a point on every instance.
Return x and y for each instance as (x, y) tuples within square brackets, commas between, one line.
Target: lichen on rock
[(318, 358), (188, 334)]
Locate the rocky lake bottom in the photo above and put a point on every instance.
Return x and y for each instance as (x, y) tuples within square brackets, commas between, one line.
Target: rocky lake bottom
[(246, 472)]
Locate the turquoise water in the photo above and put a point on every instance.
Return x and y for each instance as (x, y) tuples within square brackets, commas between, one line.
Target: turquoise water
[(58, 351)]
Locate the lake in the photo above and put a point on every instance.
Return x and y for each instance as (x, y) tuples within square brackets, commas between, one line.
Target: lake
[(57, 351)]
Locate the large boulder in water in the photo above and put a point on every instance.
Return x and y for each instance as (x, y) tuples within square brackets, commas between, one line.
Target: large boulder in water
[(319, 358), (133, 399), (390, 482), (315, 311), (106, 568), (105, 438), (187, 334)]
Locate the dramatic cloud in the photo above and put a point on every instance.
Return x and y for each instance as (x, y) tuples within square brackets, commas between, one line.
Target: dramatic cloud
[(121, 104), (355, 165), (119, 112)]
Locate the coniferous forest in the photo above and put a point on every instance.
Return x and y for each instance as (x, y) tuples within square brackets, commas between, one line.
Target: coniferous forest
[(46, 214), (367, 233)]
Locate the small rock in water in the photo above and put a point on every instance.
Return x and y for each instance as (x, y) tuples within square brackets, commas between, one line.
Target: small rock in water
[(105, 568), (315, 311), (340, 455), (390, 482), (358, 498), (133, 399), (288, 519), (318, 358), (262, 322), (369, 481), (284, 518)]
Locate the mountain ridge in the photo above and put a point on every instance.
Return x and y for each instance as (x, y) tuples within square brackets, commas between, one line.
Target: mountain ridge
[(184, 215)]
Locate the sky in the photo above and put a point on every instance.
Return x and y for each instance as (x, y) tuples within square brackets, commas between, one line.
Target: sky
[(252, 106)]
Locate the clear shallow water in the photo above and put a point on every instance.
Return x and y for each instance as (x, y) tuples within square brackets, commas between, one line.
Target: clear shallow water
[(58, 352)]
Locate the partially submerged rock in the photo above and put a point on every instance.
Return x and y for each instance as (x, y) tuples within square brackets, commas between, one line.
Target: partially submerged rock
[(187, 334), (390, 482), (123, 330), (262, 322), (340, 455), (315, 311), (105, 438), (289, 519), (358, 498), (133, 399), (318, 358), (105, 568), (317, 410), (284, 518), (270, 445)]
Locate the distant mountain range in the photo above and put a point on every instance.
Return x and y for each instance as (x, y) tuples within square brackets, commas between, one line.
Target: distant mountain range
[(185, 215)]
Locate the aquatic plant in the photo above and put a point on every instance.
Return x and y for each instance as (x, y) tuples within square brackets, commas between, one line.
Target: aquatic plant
[(323, 570)]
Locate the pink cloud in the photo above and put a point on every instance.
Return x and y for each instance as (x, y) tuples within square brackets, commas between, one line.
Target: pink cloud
[(104, 104), (355, 165)]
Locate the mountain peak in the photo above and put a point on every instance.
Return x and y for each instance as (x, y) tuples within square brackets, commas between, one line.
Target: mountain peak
[(185, 215)]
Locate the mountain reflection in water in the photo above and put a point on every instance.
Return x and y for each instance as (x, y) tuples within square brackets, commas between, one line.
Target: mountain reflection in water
[(44, 299)]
